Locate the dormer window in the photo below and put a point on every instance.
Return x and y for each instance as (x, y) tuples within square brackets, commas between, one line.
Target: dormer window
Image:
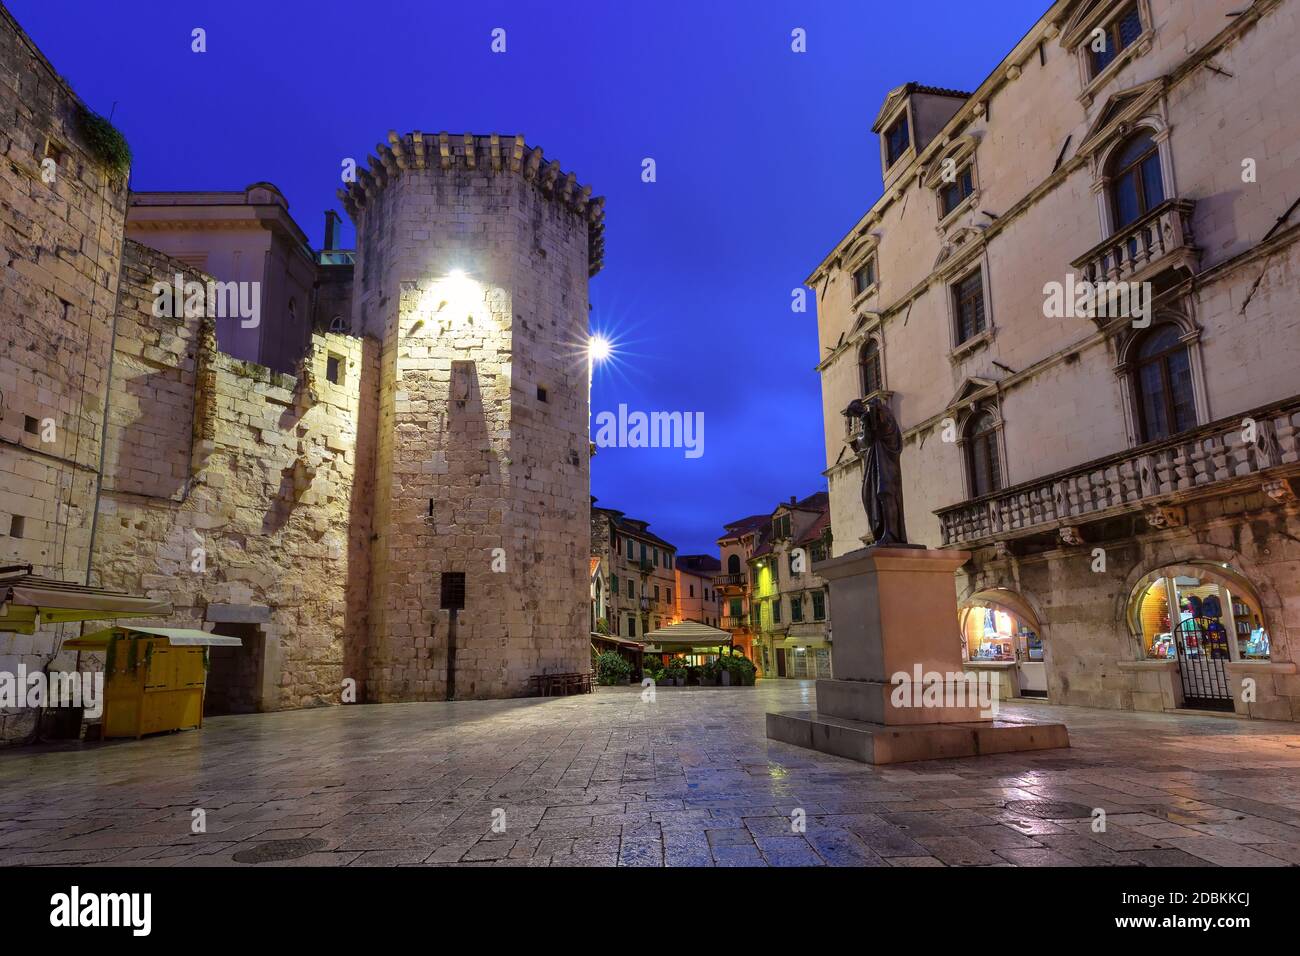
[(1108, 41), (953, 194), (864, 277), (897, 140), (781, 527)]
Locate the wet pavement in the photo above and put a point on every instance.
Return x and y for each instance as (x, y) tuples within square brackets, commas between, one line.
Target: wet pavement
[(687, 779)]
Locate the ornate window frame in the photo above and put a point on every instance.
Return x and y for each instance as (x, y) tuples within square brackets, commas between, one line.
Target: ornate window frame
[(965, 260), (1078, 32), (961, 152), (855, 256), (989, 402), (1125, 346), (1104, 151)]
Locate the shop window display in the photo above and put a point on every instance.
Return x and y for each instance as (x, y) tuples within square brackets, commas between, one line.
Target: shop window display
[(994, 634), (1206, 615)]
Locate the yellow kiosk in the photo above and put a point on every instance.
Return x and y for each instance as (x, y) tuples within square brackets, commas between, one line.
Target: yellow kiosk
[(154, 677)]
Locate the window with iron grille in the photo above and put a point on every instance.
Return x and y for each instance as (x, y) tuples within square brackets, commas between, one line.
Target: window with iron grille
[(453, 591), (776, 610), (968, 306), (819, 605), (796, 608)]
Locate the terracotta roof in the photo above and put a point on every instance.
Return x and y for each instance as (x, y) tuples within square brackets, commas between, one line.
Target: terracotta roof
[(817, 501), (705, 565), (935, 90), (743, 526), (820, 525), (634, 527)]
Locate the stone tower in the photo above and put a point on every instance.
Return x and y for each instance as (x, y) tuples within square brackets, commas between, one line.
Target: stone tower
[(473, 256)]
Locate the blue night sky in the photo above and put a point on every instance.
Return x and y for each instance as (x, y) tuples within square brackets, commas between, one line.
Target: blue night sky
[(765, 158)]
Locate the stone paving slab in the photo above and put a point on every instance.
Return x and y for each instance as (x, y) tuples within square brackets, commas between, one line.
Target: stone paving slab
[(688, 779)]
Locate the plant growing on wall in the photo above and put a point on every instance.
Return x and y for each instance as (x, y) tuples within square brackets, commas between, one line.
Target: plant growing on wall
[(106, 144)]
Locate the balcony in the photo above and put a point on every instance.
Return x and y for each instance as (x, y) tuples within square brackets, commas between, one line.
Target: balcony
[(1159, 241), (721, 581), (730, 623), (806, 631), (1154, 478)]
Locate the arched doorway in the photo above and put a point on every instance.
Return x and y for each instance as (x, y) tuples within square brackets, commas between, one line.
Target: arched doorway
[(1204, 615), (1000, 629)]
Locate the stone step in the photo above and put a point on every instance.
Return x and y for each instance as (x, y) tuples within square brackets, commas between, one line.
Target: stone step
[(881, 744)]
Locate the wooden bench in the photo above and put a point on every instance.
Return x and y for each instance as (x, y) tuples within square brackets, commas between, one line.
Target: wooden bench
[(552, 685)]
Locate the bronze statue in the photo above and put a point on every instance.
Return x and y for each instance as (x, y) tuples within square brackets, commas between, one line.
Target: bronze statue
[(879, 440)]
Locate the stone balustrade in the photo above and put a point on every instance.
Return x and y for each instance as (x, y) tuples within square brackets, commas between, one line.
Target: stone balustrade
[(1160, 239), (1147, 478)]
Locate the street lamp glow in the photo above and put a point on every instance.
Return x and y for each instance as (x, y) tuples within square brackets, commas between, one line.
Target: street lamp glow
[(599, 348)]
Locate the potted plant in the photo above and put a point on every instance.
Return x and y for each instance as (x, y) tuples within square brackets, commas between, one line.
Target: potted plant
[(612, 668)]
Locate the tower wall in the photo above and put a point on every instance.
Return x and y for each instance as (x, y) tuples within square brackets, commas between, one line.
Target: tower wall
[(472, 270)]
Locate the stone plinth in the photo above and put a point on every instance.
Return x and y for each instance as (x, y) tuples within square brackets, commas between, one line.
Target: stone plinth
[(901, 692)]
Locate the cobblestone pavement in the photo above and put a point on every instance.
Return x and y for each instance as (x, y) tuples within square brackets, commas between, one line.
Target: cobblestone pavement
[(686, 780)]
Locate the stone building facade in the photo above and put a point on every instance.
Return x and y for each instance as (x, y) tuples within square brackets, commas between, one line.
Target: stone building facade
[(434, 456), (789, 610), (641, 572), (735, 546), (696, 597), (1124, 474), (244, 236)]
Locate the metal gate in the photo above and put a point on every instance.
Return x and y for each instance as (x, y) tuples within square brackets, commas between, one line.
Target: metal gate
[(1205, 679)]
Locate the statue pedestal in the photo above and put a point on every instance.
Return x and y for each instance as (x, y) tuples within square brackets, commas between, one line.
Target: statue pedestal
[(900, 691)]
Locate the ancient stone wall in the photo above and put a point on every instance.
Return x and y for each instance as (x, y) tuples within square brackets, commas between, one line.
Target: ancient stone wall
[(473, 260), (61, 232), (239, 494)]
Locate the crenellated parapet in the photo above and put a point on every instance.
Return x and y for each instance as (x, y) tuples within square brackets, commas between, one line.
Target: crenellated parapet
[(495, 155)]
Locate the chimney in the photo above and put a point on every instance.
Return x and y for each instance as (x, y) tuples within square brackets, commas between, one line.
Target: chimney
[(793, 499), (331, 229)]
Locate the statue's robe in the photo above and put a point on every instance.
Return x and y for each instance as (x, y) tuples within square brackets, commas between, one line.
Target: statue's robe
[(882, 483)]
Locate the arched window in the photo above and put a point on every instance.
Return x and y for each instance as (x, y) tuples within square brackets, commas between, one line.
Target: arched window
[(337, 324), (983, 461), (869, 364), (1136, 186), (733, 564), (1162, 384)]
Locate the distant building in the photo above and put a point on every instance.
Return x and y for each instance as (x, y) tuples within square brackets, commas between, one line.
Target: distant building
[(773, 604), (697, 597), (249, 236), (642, 573), (732, 581)]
